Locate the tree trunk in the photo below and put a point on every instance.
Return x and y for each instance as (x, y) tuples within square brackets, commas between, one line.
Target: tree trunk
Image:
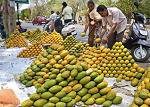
[(9, 17)]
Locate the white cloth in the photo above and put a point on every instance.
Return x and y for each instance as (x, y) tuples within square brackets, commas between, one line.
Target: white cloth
[(53, 16), (115, 16), (67, 12)]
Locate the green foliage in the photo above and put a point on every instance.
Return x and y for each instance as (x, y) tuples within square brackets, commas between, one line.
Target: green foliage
[(144, 7)]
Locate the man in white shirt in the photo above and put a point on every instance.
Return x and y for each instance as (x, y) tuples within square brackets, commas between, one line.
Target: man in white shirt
[(117, 21), (52, 16), (67, 13)]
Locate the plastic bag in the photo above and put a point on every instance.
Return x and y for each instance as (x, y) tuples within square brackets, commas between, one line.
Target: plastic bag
[(7, 96)]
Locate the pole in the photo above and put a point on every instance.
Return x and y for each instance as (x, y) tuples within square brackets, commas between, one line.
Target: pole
[(18, 11)]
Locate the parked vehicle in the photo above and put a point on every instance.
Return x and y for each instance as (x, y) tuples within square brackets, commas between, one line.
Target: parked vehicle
[(137, 41), (39, 20), (65, 30)]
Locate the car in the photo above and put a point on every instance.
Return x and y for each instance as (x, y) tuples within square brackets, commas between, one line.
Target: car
[(39, 20)]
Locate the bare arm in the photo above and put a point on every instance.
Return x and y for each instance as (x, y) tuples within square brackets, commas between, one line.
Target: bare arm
[(112, 30)]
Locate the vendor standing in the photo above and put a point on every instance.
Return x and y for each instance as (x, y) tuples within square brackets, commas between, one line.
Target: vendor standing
[(117, 21), (92, 19)]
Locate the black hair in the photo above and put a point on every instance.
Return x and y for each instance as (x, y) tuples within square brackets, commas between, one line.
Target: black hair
[(18, 23), (91, 2), (52, 12), (64, 4), (101, 8), (57, 12)]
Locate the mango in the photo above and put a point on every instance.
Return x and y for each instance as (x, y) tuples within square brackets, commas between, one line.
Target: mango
[(86, 97), (74, 73), (71, 103), (90, 85), (104, 91), (27, 103), (73, 83), (35, 96), (67, 89), (144, 94), (54, 100), (66, 99), (60, 104), (102, 85), (78, 98), (72, 94), (111, 95), (100, 101), (63, 83), (147, 101), (55, 89), (85, 80), (46, 95), (93, 90), (60, 94), (82, 92), (40, 103), (107, 103), (77, 87), (90, 101), (49, 84), (49, 105), (134, 82), (99, 79), (138, 101), (97, 95), (80, 75), (41, 90), (117, 100), (94, 75), (65, 74)]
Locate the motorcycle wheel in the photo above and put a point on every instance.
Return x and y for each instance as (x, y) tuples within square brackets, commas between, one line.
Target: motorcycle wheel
[(136, 54)]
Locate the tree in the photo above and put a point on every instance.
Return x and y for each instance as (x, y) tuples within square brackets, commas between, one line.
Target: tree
[(144, 7), (9, 16)]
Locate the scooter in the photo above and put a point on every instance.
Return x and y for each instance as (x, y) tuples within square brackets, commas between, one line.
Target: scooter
[(137, 40), (69, 29)]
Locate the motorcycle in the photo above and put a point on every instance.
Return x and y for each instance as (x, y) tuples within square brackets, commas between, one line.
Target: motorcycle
[(64, 30), (137, 41), (69, 29)]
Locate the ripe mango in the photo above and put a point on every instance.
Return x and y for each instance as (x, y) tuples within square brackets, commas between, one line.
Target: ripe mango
[(111, 95), (138, 101), (90, 101), (49, 105), (77, 87), (134, 82), (54, 100), (104, 91), (27, 103), (72, 94), (102, 85), (85, 80), (93, 90)]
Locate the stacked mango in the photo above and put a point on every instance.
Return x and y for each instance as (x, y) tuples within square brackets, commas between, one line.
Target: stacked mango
[(53, 38), (31, 51), (61, 82), (16, 40), (142, 94), (116, 62), (70, 42)]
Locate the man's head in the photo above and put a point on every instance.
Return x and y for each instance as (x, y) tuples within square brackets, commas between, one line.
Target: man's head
[(52, 12), (64, 4), (102, 10), (91, 5), (57, 13)]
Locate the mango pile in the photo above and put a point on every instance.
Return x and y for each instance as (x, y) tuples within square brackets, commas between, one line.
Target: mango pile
[(142, 94), (35, 34), (70, 42), (53, 38), (61, 82), (40, 36), (16, 40), (116, 62), (78, 49), (31, 51)]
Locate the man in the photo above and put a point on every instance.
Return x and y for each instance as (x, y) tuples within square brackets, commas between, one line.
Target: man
[(92, 22), (52, 16), (116, 20), (67, 13)]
